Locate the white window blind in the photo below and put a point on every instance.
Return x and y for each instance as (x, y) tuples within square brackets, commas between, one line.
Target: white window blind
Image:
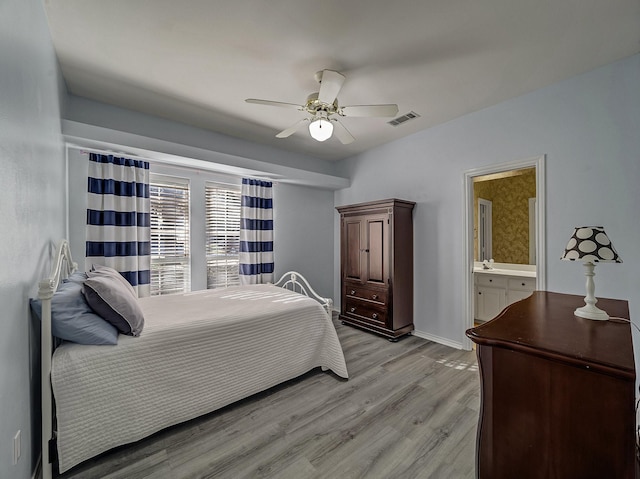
[(170, 258), (223, 234)]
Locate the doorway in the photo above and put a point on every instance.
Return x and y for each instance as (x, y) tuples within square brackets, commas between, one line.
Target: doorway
[(469, 239)]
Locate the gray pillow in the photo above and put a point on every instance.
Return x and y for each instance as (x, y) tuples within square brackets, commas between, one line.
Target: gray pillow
[(73, 320), (98, 269), (114, 302)]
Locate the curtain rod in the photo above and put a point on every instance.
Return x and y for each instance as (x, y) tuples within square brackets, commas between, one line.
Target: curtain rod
[(85, 150)]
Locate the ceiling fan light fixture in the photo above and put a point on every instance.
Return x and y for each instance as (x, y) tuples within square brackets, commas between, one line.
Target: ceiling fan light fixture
[(323, 104), (320, 129)]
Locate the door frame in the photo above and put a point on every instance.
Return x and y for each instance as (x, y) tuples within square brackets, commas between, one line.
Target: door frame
[(485, 228), (538, 163), (532, 227)]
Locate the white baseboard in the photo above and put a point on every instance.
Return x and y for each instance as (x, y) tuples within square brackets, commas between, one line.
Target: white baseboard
[(438, 339), (423, 335)]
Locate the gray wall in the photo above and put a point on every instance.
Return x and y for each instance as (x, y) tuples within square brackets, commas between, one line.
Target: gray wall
[(31, 214), (114, 118), (589, 128), (303, 223)]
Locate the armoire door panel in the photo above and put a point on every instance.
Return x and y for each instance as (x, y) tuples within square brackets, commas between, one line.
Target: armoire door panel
[(376, 250), (352, 260)]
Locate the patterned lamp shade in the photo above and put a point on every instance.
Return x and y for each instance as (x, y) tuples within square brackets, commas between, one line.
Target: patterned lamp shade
[(590, 244)]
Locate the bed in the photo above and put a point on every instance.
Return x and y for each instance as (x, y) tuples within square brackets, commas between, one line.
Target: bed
[(198, 352)]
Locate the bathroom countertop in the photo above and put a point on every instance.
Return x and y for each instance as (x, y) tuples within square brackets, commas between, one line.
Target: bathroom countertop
[(521, 270)]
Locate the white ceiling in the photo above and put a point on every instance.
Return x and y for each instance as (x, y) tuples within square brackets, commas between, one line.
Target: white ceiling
[(196, 61)]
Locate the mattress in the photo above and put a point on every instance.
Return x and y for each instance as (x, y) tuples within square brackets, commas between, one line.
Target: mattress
[(198, 352)]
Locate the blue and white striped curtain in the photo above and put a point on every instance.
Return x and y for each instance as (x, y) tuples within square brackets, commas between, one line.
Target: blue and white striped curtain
[(256, 232), (118, 218)]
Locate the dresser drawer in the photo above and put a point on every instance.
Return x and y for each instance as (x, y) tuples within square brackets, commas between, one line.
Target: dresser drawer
[(363, 292), (491, 280), (365, 310), (522, 284)]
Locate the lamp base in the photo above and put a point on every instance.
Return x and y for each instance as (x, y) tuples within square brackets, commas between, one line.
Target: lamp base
[(589, 311)]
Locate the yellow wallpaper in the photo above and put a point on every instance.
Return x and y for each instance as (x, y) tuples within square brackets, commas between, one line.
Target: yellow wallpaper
[(510, 198)]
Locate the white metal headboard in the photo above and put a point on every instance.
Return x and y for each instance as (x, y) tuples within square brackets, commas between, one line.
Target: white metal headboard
[(296, 282), (63, 265)]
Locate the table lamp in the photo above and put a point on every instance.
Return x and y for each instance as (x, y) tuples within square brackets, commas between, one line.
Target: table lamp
[(590, 244)]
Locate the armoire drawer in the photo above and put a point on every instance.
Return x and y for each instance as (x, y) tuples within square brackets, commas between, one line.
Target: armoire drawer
[(363, 292), (364, 310)]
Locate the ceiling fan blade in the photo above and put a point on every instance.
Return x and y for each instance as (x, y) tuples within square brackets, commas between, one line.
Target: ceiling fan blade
[(274, 103), (369, 110), (292, 129), (342, 133), (330, 85)]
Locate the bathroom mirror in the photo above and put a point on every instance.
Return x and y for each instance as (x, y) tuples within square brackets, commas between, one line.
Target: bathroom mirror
[(504, 216)]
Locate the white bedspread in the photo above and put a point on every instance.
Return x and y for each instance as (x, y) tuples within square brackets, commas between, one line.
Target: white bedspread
[(198, 352)]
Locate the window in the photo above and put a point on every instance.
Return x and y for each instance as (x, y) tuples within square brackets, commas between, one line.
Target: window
[(170, 260), (223, 234)]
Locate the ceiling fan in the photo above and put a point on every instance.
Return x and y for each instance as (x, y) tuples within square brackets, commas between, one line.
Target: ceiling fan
[(323, 109)]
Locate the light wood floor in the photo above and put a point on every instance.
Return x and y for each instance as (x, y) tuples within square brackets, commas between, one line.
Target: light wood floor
[(409, 410)]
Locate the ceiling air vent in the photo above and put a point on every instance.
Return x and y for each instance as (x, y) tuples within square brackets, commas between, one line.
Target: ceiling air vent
[(401, 119)]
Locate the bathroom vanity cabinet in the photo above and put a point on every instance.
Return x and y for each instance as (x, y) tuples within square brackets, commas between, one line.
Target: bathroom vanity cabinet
[(497, 289)]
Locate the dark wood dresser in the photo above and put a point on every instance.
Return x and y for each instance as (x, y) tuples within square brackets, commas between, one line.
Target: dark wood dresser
[(557, 391), (376, 252)]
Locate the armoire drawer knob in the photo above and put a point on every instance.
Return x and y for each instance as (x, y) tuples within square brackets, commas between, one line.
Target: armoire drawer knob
[(374, 315), (353, 310), (353, 291), (375, 296)]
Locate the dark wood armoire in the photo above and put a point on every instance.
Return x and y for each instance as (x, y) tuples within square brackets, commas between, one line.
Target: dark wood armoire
[(376, 256)]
